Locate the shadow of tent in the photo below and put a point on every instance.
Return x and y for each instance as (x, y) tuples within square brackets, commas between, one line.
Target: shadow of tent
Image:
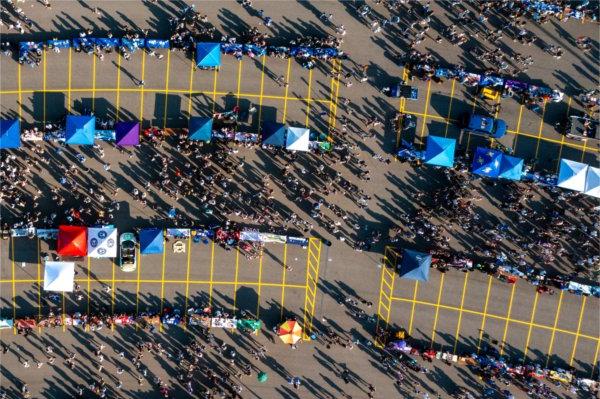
[(167, 108), (55, 104), (247, 299)]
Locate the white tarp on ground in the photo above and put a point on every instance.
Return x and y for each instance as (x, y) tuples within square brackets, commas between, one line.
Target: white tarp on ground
[(102, 242), (297, 139), (572, 175), (59, 276), (592, 182)]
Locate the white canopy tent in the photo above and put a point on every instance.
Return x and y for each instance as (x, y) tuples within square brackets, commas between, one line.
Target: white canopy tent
[(572, 175), (592, 182), (59, 276), (297, 139), (102, 242)]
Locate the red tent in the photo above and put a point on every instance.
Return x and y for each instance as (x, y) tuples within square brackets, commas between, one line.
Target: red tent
[(72, 240)]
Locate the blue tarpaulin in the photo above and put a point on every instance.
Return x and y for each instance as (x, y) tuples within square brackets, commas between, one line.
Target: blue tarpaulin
[(59, 43), (440, 151), (10, 133), (133, 44), (80, 129), (415, 265), (154, 43), (200, 129), (487, 162), (151, 241), (208, 54), (273, 133), (107, 42), (511, 167)]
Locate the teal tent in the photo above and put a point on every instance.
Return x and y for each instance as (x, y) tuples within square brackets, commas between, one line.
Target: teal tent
[(200, 129), (208, 54)]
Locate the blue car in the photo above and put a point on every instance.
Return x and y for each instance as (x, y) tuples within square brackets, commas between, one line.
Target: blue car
[(484, 126)]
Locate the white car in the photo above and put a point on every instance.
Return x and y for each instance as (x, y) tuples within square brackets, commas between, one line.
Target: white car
[(127, 259)]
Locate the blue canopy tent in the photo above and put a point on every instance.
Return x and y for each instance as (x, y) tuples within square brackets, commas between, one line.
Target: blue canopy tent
[(200, 129), (151, 241), (208, 54), (440, 151), (154, 43), (487, 162), (10, 133), (273, 133), (572, 175), (80, 129), (415, 265), (511, 167)]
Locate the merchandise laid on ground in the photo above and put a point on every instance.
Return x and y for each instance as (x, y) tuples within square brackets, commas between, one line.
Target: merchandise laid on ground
[(299, 199)]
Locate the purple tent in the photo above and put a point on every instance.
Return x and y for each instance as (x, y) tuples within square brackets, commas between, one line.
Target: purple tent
[(127, 133), (397, 345)]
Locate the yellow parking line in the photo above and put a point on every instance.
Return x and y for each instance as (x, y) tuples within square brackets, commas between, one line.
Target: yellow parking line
[(260, 266), (460, 312), (334, 100), (137, 289), (64, 313), (235, 285), (485, 306), (167, 89), (450, 108), (425, 113), (537, 146), (20, 95), (512, 296), (578, 331), (333, 75), (535, 301), (306, 122), (187, 277), (93, 83), (162, 278), (118, 85), (437, 309), (412, 312), (112, 291), (517, 132), (556, 316), (89, 267), (214, 93), (44, 85), (595, 362), (283, 280), (39, 276), (380, 302), (239, 82), (285, 98), (69, 88), (191, 88), (563, 135), (142, 88), (212, 265), (260, 101), (14, 296)]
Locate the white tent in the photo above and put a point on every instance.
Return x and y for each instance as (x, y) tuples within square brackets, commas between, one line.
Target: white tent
[(59, 276), (297, 139), (102, 242), (592, 182), (572, 175)]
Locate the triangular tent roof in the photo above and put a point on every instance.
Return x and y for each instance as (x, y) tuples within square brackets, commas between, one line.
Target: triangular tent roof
[(102, 242), (72, 241), (415, 265), (440, 151), (200, 128), (592, 182), (59, 276), (127, 133), (10, 133), (572, 175), (273, 133), (297, 139), (208, 54), (80, 129), (511, 167), (151, 241), (487, 162)]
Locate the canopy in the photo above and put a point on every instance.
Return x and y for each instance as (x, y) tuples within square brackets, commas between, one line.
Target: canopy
[(273, 133), (592, 182), (572, 175), (10, 133), (208, 54), (80, 129), (59, 276), (297, 139), (151, 241), (397, 345), (440, 151), (415, 265), (249, 324), (72, 241), (102, 242), (511, 167), (6, 323), (290, 332), (200, 129), (127, 133), (262, 377), (487, 162)]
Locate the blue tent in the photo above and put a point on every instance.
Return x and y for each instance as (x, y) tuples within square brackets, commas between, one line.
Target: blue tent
[(415, 265), (200, 129), (10, 133), (440, 151), (80, 129), (273, 133), (151, 241), (208, 54), (511, 167), (572, 175), (487, 162)]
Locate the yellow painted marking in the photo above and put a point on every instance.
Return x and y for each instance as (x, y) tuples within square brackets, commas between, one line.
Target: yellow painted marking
[(283, 280), (285, 98), (69, 84), (310, 293), (578, 331), (437, 309), (142, 89), (497, 108), (167, 89), (14, 296), (212, 266), (162, 279), (537, 146), (260, 101), (535, 301), (44, 85), (563, 135), (137, 289), (306, 122), (512, 296), (333, 73), (94, 83), (20, 93), (260, 266), (595, 362), (118, 86), (337, 94), (450, 110), (556, 316), (64, 312), (89, 267), (112, 291), (517, 132), (239, 82), (485, 306), (235, 285), (214, 93), (187, 277), (412, 312), (191, 88), (425, 113), (39, 276), (460, 312)]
